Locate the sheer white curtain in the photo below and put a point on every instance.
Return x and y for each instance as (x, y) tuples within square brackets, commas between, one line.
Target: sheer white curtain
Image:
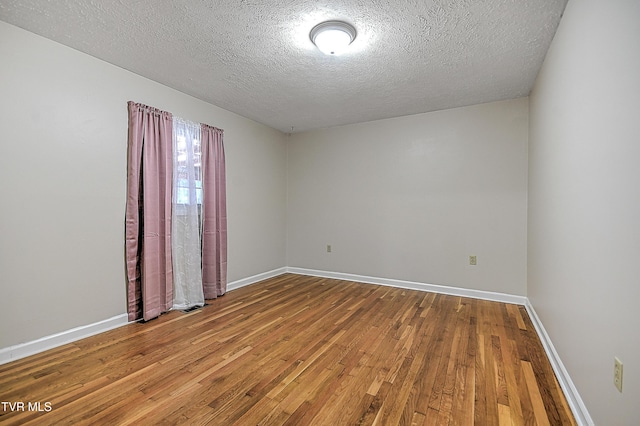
[(185, 224)]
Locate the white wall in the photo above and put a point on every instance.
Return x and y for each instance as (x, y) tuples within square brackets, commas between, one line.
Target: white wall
[(584, 202), (63, 116), (411, 198)]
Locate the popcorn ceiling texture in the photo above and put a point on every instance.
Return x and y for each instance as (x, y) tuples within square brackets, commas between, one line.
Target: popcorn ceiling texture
[(254, 57)]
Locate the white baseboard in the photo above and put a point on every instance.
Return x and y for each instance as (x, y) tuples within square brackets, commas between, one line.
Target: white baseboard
[(22, 350), (574, 400), (255, 278), (411, 285)]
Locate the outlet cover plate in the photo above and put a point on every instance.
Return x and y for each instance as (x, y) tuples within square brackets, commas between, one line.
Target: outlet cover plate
[(617, 373)]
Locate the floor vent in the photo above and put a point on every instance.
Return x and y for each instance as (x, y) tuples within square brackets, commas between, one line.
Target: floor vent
[(193, 308)]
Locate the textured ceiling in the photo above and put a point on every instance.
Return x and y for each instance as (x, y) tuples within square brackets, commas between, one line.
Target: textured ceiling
[(254, 57)]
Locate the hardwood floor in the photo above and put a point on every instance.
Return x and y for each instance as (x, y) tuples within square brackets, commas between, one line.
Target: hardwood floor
[(300, 350)]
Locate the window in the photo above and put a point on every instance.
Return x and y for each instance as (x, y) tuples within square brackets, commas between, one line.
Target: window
[(188, 166)]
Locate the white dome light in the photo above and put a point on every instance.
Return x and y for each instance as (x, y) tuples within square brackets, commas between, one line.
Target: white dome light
[(332, 37)]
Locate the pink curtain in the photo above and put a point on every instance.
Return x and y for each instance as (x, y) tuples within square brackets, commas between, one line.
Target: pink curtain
[(214, 214), (148, 213)]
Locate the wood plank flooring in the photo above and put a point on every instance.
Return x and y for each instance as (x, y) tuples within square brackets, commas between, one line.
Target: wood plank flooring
[(298, 350)]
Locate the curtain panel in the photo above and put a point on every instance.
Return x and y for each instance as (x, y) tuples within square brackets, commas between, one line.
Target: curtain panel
[(214, 213), (148, 212), (185, 219)]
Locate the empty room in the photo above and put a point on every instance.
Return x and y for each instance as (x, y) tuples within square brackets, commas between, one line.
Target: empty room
[(211, 214)]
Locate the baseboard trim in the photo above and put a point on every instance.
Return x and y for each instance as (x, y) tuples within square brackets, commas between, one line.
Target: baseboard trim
[(411, 285), (255, 278), (574, 400), (22, 350), (577, 406)]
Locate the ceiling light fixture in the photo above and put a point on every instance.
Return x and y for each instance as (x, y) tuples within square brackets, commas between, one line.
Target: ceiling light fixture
[(332, 37)]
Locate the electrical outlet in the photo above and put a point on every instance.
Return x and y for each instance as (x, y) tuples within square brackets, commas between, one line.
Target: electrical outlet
[(617, 373), (328, 248), (473, 260)]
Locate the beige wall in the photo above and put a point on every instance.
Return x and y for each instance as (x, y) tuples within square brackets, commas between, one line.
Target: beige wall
[(411, 198), (63, 116), (584, 202)]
